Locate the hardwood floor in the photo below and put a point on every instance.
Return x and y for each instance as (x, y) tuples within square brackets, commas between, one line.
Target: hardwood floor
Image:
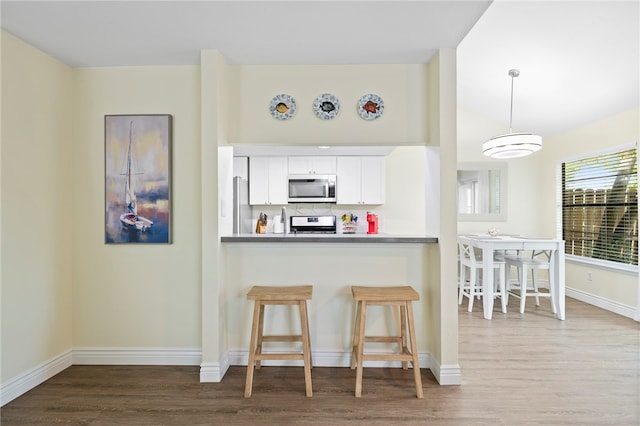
[(517, 370)]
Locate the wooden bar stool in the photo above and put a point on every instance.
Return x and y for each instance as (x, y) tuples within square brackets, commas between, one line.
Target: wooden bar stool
[(265, 295), (389, 296)]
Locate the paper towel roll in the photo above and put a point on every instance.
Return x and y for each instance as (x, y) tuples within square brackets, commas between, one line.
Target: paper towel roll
[(278, 226)]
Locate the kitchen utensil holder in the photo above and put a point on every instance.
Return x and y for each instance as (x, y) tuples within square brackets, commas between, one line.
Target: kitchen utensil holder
[(349, 227)]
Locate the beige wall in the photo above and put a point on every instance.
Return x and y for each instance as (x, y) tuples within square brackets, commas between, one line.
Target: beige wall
[(214, 82), (331, 269), (522, 214), (37, 211), (401, 87), (624, 128), (442, 277), (85, 294), (404, 90), (136, 295), (532, 211)]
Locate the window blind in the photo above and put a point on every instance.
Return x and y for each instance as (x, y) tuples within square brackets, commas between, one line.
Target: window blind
[(600, 207)]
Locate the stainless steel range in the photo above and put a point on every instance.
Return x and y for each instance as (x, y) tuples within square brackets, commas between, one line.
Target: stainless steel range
[(312, 225)]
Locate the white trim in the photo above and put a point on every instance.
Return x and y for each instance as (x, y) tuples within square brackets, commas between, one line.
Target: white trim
[(23, 383), (447, 375), (604, 151), (603, 264), (137, 356), (209, 371), (601, 302), (213, 372)]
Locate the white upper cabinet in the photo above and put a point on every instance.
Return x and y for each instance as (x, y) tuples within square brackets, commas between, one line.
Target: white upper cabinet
[(268, 180), (319, 165), (360, 180)]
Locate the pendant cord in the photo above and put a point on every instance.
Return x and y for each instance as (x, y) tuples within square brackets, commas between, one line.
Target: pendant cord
[(511, 110)]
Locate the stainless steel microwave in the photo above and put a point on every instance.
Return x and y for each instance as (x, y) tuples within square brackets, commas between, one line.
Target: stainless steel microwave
[(312, 188)]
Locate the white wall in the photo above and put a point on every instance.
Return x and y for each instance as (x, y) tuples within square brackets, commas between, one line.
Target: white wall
[(37, 213), (136, 296)]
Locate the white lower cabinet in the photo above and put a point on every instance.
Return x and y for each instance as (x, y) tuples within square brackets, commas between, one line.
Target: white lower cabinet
[(268, 180), (360, 180)]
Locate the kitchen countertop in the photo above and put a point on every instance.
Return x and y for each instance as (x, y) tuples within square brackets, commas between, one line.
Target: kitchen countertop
[(327, 238)]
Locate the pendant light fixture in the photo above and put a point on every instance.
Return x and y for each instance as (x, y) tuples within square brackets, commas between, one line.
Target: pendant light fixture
[(512, 145)]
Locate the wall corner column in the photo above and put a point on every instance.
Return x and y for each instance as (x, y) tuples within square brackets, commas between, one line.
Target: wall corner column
[(442, 116), (213, 367)]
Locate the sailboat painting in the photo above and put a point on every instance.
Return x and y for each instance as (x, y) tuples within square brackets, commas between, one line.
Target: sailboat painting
[(137, 178)]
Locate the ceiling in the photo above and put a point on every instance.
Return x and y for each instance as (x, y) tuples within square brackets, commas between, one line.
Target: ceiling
[(579, 60)]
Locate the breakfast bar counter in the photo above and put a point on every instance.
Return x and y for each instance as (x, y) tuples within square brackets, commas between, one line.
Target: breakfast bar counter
[(332, 264), (328, 238)]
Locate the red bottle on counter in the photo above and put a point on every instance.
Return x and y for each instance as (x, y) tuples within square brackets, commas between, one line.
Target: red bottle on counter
[(373, 223)]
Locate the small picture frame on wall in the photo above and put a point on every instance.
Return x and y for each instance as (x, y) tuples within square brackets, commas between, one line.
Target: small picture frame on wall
[(138, 178)]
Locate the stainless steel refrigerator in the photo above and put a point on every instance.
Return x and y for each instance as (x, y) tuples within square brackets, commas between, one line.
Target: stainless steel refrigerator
[(242, 221)]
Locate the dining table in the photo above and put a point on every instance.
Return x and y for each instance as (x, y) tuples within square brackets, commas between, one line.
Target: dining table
[(490, 244)]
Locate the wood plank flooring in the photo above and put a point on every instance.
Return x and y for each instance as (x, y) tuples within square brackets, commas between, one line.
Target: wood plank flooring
[(517, 370)]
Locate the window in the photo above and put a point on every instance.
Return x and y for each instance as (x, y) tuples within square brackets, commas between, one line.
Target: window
[(600, 207)]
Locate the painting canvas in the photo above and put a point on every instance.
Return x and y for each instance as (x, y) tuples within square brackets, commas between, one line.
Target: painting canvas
[(137, 178)]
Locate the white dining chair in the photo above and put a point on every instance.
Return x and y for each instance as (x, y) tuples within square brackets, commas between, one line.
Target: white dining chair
[(471, 288), (534, 261)]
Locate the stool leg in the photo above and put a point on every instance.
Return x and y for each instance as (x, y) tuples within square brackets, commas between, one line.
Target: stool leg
[(523, 288), (552, 287), (535, 286), (463, 281), (360, 349), (260, 334), (252, 348), (403, 333), (507, 282), (308, 334), (414, 351), (356, 328), (306, 347), (472, 287), (503, 289)]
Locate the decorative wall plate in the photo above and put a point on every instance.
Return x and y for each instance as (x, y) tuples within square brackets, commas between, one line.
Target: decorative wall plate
[(370, 106), (282, 107), (326, 106)]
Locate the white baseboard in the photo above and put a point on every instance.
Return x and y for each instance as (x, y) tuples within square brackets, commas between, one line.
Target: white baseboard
[(446, 375), (209, 371), (23, 383), (137, 356), (213, 372), (601, 302)]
